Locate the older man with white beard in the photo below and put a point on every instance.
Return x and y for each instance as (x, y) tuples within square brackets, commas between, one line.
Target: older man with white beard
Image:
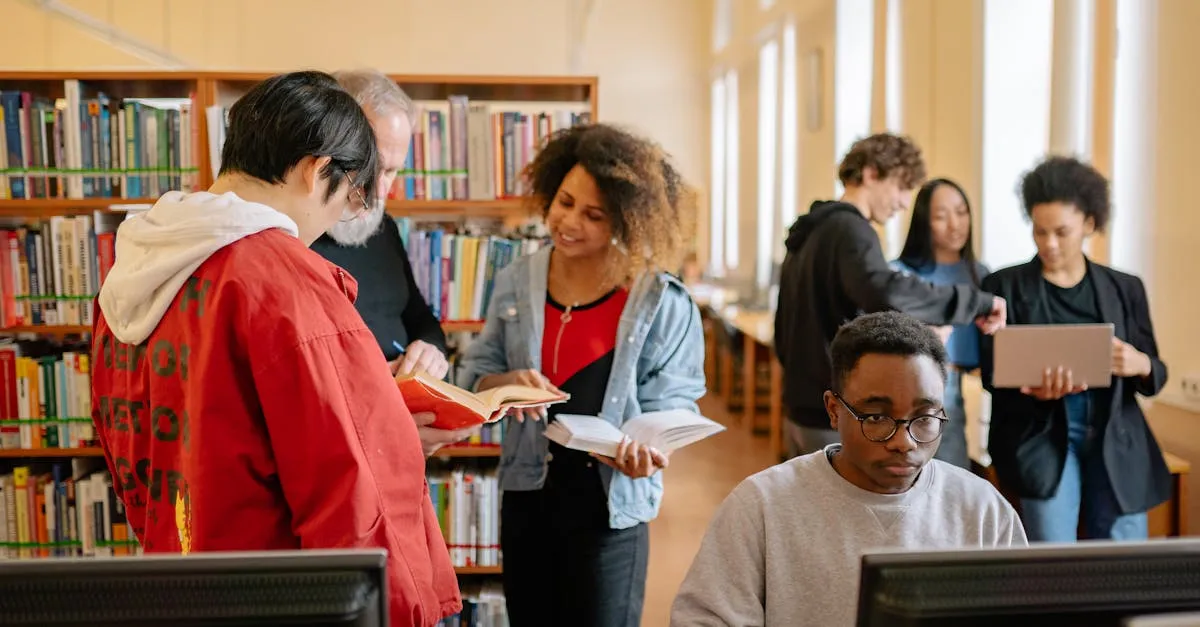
[(368, 246)]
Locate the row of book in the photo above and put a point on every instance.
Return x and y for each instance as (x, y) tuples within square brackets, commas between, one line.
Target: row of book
[(459, 150), (50, 271), (60, 513), (483, 606), (45, 397), (455, 273), (467, 502), (463, 150), (95, 147)]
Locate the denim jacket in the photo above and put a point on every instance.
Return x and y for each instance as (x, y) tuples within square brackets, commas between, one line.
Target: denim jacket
[(658, 364)]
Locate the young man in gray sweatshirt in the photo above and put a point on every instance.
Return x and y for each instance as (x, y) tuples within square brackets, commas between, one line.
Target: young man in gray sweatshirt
[(786, 545)]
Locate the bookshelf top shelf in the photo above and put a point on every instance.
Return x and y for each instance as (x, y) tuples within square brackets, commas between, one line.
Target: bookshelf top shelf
[(579, 89)]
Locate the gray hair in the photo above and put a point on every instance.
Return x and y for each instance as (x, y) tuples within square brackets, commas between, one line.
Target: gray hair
[(377, 93)]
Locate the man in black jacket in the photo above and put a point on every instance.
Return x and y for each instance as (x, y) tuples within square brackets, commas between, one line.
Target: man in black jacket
[(369, 247), (834, 271)]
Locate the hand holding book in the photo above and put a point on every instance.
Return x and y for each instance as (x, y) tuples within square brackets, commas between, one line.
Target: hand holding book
[(634, 459), (640, 442), (456, 408), (526, 378)]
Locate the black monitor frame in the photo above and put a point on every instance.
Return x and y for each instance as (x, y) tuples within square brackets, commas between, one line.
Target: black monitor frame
[(309, 587), (1093, 583)]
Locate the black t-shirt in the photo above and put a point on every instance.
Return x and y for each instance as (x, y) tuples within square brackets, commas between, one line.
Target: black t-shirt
[(1073, 305), (1078, 304), (388, 299)]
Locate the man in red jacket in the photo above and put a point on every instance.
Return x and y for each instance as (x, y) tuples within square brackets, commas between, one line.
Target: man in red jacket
[(240, 399)]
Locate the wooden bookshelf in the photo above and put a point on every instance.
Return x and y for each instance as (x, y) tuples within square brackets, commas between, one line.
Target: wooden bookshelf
[(510, 93)]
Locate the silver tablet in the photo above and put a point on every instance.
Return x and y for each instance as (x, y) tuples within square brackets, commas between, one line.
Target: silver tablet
[(1024, 351)]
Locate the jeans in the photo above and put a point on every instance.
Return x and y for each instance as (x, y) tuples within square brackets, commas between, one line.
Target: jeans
[(1084, 482), (952, 448)]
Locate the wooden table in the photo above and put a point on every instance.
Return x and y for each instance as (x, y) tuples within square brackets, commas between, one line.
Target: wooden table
[(1171, 518), (758, 332)]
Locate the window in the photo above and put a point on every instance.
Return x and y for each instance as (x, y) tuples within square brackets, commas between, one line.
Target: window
[(1016, 119), (731, 170), (722, 23), (789, 151), (1134, 129), (896, 228), (853, 68), (716, 222), (768, 117)]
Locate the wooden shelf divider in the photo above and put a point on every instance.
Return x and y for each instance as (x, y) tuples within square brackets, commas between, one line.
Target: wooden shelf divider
[(50, 453)]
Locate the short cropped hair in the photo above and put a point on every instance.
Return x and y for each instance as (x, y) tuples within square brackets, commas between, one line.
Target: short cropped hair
[(882, 333), (1071, 181), (376, 93), (288, 117), (887, 154)]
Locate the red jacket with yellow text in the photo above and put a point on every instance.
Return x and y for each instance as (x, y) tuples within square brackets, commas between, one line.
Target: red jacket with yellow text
[(259, 414)]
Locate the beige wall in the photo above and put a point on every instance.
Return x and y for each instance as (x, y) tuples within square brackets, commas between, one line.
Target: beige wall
[(651, 57)]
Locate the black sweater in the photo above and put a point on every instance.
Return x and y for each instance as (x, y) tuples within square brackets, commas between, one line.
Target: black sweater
[(834, 270), (388, 298)]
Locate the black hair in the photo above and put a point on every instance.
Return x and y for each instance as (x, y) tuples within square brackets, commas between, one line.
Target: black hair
[(1068, 180), (918, 246), (882, 333), (288, 117)]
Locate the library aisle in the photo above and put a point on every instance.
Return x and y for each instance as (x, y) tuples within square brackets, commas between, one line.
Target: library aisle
[(698, 479)]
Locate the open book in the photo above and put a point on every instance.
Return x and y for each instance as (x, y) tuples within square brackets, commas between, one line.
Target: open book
[(666, 431), (457, 408)]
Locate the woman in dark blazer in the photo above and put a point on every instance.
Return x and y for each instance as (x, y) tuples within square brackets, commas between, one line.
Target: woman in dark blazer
[(1061, 447)]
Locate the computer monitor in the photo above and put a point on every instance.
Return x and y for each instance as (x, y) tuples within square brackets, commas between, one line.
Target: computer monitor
[(317, 587), (1092, 584)]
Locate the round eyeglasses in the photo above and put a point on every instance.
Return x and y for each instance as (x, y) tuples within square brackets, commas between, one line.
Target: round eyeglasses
[(880, 428), (357, 191)]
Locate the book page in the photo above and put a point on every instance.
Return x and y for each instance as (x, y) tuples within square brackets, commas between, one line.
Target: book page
[(516, 396), (670, 429), (585, 433)]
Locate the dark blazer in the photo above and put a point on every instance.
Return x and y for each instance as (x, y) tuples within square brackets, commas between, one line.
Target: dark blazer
[(1028, 438)]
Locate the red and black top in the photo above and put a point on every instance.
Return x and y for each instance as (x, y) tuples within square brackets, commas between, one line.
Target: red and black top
[(580, 367)]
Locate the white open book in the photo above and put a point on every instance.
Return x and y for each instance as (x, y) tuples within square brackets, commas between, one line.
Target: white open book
[(663, 430)]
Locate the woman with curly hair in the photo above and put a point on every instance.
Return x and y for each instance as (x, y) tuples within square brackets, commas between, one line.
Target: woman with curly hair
[(596, 315), (1062, 447)]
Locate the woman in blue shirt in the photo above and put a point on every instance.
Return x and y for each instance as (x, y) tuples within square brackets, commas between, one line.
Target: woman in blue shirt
[(939, 250), (594, 315)]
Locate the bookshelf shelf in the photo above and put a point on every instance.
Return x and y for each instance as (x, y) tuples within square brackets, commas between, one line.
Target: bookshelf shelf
[(462, 326), (50, 453), (42, 329), (478, 570), (467, 450), (47, 207), (499, 208)]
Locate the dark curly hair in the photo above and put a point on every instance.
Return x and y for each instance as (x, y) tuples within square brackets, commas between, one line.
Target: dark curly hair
[(645, 199), (888, 154), (882, 333), (1070, 181)]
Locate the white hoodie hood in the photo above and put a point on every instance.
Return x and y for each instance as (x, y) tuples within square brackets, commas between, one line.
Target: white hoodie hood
[(157, 251)]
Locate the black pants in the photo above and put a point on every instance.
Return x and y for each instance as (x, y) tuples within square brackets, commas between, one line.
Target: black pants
[(563, 565)]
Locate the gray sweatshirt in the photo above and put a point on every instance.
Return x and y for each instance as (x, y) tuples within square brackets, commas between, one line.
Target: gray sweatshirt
[(784, 549)]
